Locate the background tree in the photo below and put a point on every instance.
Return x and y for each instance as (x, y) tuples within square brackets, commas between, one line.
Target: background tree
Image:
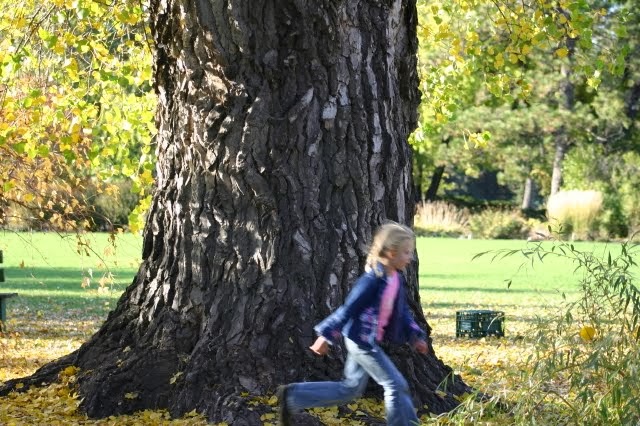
[(281, 146), (508, 69)]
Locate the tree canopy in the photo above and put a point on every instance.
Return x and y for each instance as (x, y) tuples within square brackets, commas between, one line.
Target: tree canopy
[(495, 81)]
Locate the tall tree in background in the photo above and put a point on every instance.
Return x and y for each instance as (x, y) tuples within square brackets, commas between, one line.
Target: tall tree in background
[(492, 56), (282, 136)]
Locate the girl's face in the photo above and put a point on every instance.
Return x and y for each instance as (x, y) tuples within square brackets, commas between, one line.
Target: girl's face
[(402, 256)]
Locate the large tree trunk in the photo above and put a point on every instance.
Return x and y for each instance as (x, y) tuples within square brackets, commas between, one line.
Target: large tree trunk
[(558, 161), (528, 194), (281, 146), (434, 184)]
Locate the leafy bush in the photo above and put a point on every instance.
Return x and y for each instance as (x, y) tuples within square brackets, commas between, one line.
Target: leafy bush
[(440, 218), (498, 224), (18, 218), (113, 206), (586, 356), (617, 177), (628, 182), (612, 220), (576, 212)]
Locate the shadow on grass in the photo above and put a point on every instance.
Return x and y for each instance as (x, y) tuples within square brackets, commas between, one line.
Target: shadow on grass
[(452, 306), (509, 315), (480, 289), (448, 276), (62, 279), (75, 308), (58, 293)]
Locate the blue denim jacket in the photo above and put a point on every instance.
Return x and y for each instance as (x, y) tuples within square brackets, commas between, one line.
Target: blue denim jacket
[(357, 318)]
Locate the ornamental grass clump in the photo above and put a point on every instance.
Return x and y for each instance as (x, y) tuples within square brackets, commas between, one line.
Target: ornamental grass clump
[(440, 218), (576, 212)]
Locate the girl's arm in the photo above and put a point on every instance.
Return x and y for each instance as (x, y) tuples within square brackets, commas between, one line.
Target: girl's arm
[(360, 297), (414, 331)]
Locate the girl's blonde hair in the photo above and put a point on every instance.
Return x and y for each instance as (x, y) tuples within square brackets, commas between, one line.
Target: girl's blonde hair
[(389, 236)]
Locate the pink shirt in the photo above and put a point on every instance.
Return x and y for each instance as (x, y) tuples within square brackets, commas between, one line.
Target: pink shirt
[(386, 303)]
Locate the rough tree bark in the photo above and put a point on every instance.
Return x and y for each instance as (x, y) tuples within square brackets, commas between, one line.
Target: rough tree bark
[(281, 146), (528, 193), (434, 184)]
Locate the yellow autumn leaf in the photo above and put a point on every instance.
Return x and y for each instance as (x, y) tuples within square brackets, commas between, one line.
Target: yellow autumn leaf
[(59, 48), (70, 371), (462, 397), (175, 377), (587, 333), (131, 395), (562, 52), (192, 413), (268, 416)]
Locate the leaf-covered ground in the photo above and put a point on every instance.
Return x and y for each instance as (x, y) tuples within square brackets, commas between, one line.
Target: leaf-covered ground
[(32, 339)]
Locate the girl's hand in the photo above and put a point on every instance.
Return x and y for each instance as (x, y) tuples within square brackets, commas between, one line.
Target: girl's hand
[(421, 346), (320, 346)]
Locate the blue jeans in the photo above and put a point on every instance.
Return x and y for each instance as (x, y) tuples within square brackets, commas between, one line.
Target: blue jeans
[(360, 364)]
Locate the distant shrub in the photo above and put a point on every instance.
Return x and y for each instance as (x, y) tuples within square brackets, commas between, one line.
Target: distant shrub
[(19, 218), (612, 221), (440, 218), (498, 224), (576, 212), (627, 188), (113, 206), (50, 218)]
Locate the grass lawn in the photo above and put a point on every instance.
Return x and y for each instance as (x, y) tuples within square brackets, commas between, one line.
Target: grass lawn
[(54, 273), (64, 297), (451, 280)]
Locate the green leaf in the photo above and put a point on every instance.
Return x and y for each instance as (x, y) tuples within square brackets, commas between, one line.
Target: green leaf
[(43, 150), (19, 147), (621, 31)]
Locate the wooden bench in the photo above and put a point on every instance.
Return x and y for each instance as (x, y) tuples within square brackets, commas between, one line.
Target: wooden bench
[(3, 306)]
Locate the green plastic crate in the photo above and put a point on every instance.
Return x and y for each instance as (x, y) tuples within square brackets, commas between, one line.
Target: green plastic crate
[(479, 323)]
